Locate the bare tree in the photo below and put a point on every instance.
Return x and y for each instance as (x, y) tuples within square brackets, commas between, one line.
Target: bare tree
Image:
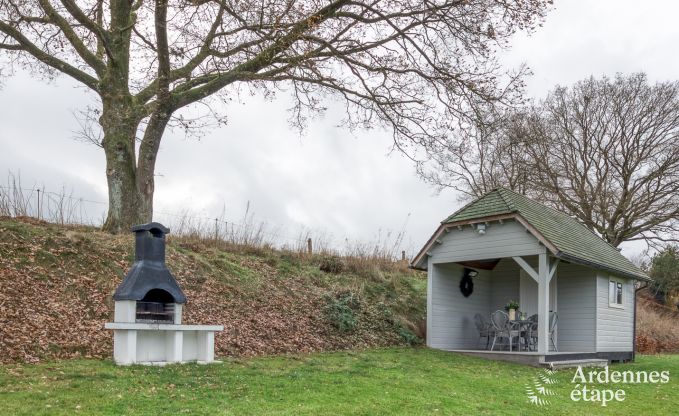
[(412, 66), (606, 151), (489, 153)]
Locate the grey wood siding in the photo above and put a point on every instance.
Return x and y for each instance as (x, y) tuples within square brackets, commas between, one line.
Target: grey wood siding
[(576, 300), (615, 326), (450, 316), (501, 240), (504, 284)]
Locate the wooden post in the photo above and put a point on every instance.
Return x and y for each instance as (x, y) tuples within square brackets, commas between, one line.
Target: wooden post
[(216, 232), (309, 246), (543, 304), (39, 204), (431, 269), (403, 255)]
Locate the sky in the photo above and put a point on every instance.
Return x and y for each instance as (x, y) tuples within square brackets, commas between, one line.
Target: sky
[(345, 186)]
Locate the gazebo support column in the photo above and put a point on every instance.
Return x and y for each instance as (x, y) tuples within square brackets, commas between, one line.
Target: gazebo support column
[(543, 304)]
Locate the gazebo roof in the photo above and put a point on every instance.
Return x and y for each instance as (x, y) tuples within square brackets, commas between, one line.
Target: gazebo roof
[(565, 237)]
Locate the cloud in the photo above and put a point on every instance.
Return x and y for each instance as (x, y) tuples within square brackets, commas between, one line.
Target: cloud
[(327, 179)]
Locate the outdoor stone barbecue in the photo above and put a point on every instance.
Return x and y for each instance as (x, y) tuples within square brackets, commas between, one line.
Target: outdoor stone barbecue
[(147, 327)]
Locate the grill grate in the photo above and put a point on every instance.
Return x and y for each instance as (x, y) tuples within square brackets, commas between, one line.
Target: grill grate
[(155, 312)]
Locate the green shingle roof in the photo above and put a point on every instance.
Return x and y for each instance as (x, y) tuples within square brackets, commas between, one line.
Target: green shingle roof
[(573, 241)]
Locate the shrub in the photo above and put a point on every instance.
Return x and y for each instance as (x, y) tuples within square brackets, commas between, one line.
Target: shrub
[(408, 336), (341, 311), (331, 264)]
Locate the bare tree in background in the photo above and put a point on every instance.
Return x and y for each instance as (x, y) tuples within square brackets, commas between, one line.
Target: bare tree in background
[(416, 67), (605, 151), (489, 153)]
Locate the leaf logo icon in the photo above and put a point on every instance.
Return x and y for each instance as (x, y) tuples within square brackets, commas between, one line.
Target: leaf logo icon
[(537, 391)]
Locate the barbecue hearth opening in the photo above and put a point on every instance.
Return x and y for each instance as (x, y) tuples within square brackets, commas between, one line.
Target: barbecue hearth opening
[(157, 306)]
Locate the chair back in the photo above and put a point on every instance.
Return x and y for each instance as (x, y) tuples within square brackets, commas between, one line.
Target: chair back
[(534, 326), (553, 319), (533, 318), (480, 322), (499, 319)]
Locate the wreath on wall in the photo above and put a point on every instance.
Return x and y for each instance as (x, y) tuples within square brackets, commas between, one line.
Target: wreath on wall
[(466, 283)]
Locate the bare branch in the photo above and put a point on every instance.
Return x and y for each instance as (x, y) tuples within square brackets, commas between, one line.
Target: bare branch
[(605, 151), (423, 70), (48, 59)]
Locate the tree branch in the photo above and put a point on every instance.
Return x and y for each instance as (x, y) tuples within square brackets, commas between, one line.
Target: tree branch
[(95, 27), (89, 57), (48, 59), (261, 60)]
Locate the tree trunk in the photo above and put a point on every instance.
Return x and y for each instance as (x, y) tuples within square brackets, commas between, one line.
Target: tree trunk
[(146, 166), (131, 181), (126, 203)]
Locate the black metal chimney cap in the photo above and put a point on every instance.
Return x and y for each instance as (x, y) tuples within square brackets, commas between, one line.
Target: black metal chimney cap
[(151, 226), (149, 270)]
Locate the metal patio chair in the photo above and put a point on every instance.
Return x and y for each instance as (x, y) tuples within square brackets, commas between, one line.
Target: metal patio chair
[(553, 320), (532, 335), (484, 327), (533, 330), (503, 328)]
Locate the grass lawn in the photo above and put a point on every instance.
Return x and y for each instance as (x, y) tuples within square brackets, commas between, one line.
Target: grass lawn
[(384, 381)]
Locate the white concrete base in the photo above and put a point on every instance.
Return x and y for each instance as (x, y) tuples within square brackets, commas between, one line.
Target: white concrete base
[(164, 363), (160, 344)]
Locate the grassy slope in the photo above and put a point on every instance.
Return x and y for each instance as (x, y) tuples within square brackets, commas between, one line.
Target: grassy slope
[(56, 285), (389, 381)]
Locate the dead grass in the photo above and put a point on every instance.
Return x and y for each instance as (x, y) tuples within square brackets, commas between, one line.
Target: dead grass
[(657, 327), (245, 235)]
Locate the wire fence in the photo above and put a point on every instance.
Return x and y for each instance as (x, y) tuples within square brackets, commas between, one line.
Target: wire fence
[(62, 207)]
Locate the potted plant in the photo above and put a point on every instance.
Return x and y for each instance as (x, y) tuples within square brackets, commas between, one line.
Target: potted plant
[(511, 308)]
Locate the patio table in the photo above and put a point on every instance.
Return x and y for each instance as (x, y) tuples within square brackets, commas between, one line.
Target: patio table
[(522, 325)]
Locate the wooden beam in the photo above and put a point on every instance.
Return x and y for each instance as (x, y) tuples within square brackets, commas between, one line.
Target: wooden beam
[(437, 241), (484, 219), (425, 250), (459, 224), (537, 234), (552, 270), (525, 266)]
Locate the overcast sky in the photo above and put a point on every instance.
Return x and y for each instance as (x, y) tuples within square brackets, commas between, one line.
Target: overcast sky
[(347, 185)]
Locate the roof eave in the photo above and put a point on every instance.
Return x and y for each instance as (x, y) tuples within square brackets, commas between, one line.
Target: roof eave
[(575, 259), (447, 225)]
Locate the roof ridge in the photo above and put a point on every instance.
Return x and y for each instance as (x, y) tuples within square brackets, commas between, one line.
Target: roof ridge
[(500, 192), (542, 205)]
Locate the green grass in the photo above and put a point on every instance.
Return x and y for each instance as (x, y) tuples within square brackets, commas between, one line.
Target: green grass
[(386, 381)]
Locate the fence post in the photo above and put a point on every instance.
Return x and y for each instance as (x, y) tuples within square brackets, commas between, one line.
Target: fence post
[(403, 255), (38, 204), (309, 246)]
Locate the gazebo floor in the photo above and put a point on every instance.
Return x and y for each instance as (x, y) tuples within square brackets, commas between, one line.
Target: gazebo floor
[(552, 359)]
